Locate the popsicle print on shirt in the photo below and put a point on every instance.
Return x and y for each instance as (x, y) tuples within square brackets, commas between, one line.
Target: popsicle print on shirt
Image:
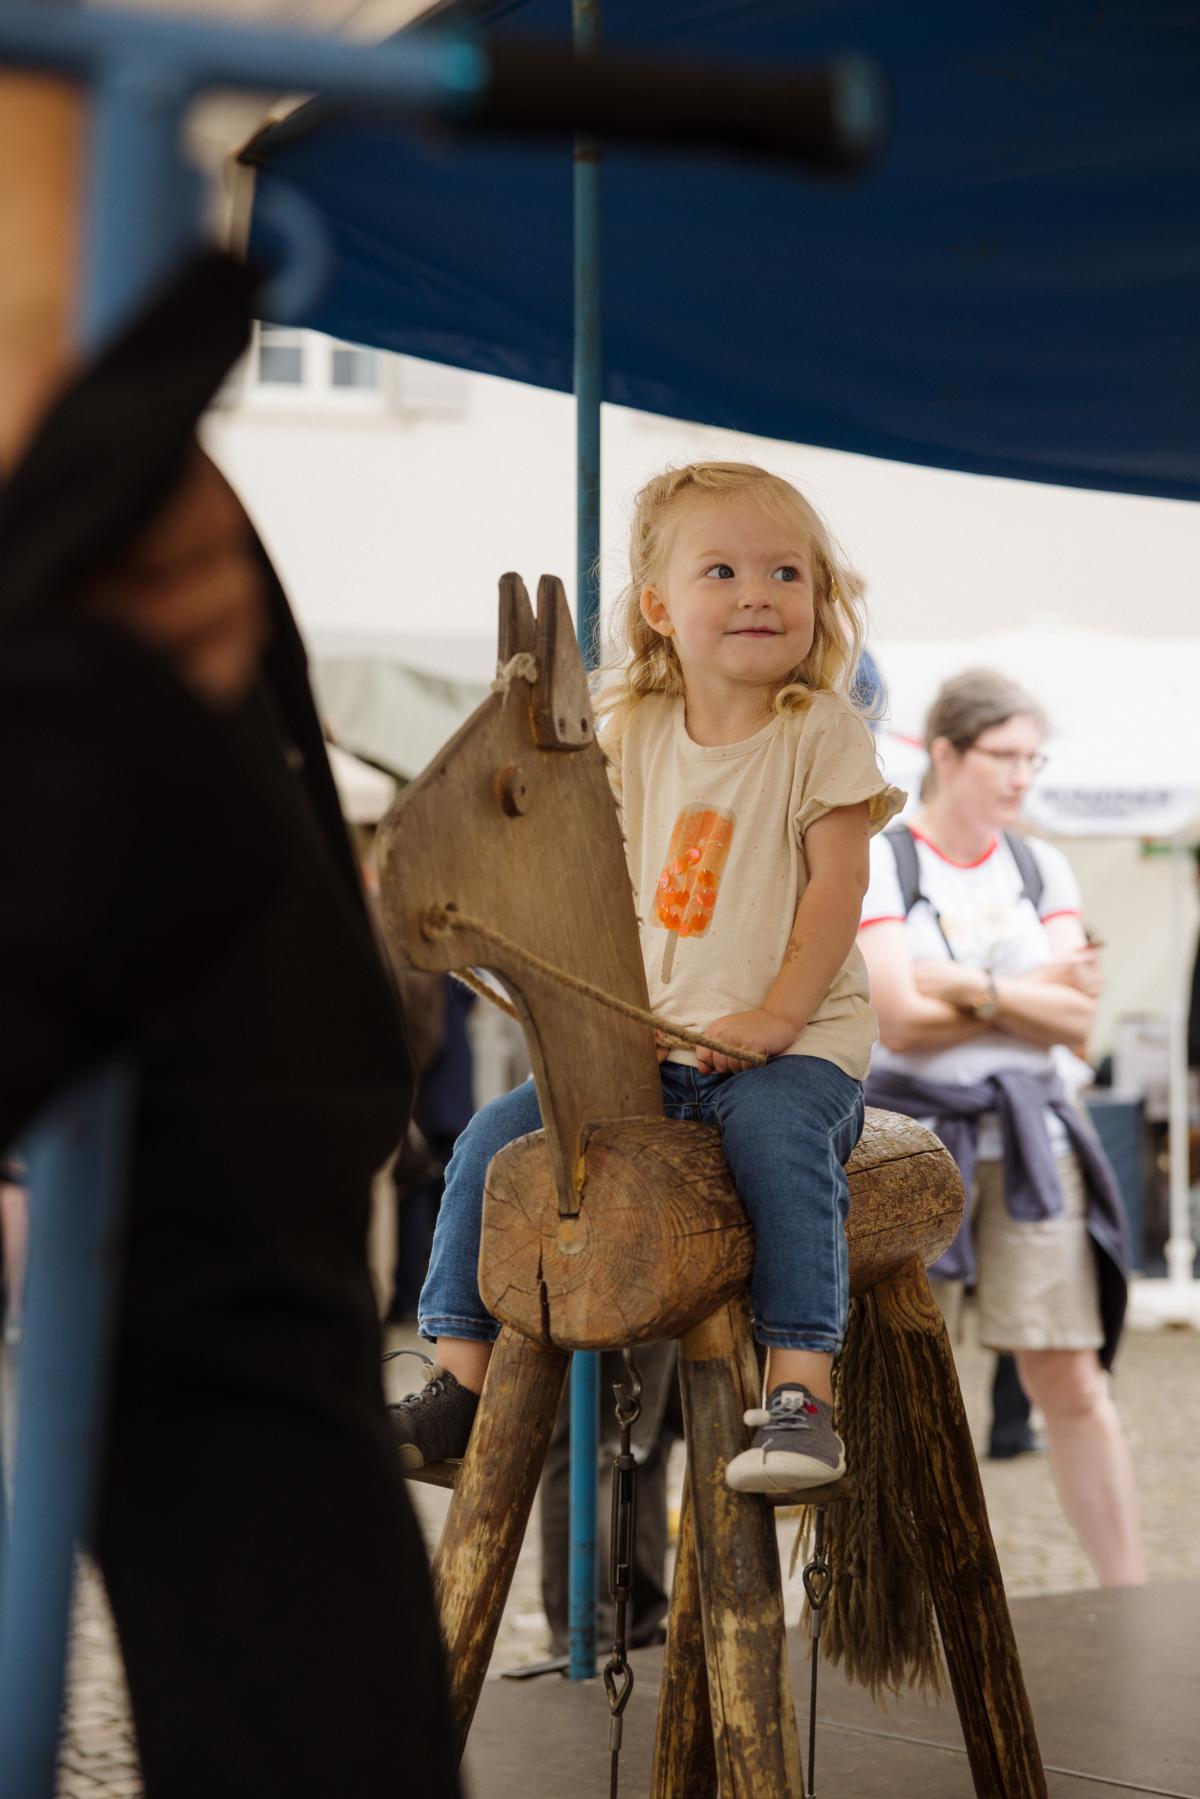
[(691, 878)]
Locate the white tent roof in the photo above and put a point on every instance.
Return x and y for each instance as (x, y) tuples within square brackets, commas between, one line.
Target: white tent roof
[(365, 794)]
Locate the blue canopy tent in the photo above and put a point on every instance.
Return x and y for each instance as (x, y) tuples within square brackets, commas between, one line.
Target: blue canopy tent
[(1013, 292)]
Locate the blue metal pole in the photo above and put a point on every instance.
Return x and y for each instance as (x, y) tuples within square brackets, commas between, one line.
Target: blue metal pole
[(143, 208), (78, 1169), (585, 1373), (588, 360)]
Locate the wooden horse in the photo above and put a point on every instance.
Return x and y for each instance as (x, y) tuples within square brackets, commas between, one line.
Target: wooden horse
[(613, 1226)]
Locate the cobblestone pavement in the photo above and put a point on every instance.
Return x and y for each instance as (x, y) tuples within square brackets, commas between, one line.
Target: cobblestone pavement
[(1158, 1394)]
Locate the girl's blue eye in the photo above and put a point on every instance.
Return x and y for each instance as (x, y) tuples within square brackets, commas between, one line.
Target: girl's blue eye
[(721, 570), (787, 573)]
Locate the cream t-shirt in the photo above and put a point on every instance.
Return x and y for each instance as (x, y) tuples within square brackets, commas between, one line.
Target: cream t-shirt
[(714, 837)]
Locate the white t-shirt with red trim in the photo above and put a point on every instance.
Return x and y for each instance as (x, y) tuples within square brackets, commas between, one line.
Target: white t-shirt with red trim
[(989, 924)]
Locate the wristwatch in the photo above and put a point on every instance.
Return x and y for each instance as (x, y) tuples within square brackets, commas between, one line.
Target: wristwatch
[(985, 1009)]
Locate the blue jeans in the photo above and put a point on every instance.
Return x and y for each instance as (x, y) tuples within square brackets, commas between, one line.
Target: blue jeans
[(787, 1128)]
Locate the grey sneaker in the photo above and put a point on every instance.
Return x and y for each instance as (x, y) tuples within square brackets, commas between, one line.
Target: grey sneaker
[(794, 1445), (434, 1425)]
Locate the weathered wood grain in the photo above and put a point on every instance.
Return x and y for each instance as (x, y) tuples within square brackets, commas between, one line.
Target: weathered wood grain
[(485, 1525), (906, 1199), (562, 707), (659, 1239), (755, 1742), (684, 1765), (549, 875), (960, 1556)]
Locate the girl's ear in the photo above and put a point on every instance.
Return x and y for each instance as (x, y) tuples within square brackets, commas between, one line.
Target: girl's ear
[(655, 613)]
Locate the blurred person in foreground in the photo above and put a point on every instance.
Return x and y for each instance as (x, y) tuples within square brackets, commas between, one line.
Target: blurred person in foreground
[(979, 967), (176, 882)]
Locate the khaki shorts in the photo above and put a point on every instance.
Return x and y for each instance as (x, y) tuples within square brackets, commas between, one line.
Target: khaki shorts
[(1036, 1283)]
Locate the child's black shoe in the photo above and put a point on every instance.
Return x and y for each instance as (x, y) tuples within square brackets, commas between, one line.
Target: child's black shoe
[(434, 1425)]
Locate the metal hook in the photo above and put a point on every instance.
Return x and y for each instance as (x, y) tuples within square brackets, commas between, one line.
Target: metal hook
[(627, 1394)]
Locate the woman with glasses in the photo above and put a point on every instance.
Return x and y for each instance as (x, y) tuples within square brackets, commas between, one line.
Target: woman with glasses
[(980, 970)]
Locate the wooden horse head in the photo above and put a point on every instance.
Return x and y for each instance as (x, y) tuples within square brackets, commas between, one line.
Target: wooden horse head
[(513, 824)]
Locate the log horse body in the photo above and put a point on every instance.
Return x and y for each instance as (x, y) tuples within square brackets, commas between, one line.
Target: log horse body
[(613, 1227)]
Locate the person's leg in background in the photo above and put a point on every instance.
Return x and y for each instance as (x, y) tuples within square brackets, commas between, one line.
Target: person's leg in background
[(1010, 1432), (652, 1447), (1039, 1297), (1088, 1457)]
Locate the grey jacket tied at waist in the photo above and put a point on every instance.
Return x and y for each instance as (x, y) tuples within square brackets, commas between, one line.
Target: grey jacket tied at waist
[(1032, 1189)]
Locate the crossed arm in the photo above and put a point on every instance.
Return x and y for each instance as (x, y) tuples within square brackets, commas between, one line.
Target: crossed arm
[(921, 1005)]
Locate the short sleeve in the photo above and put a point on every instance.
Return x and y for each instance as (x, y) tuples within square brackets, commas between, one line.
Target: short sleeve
[(838, 766), (883, 902), (1060, 889)]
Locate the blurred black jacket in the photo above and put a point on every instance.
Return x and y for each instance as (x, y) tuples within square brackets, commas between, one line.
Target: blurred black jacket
[(180, 883)]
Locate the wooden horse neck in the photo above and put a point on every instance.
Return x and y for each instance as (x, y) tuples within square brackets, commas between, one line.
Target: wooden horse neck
[(513, 824)]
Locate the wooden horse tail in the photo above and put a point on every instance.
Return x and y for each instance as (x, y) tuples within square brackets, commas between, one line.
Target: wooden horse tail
[(879, 1619)]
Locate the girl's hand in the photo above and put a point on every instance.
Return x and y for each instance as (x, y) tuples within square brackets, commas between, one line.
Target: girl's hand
[(950, 981), (759, 1030)]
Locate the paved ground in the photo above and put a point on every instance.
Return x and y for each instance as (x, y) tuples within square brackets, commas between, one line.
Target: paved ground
[(1158, 1392)]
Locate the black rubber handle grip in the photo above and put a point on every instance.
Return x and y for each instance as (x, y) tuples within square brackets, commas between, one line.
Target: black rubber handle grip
[(829, 117)]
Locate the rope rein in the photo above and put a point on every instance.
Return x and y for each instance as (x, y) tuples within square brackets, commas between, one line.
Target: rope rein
[(442, 921)]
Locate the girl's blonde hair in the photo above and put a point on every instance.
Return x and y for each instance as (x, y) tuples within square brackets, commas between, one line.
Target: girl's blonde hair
[(642, 661)]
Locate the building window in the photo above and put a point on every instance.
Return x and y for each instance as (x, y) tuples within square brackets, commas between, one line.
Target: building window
[(287, 370), (350, 367), (279, 358)]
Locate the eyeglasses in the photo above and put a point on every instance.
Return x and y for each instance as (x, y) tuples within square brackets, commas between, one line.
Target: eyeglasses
[(1013, 759)]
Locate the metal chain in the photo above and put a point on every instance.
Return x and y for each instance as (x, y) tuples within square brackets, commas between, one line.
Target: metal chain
[(818, 1578), (618, 1675)]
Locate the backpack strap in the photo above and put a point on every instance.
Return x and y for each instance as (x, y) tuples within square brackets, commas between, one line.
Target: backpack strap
[(908, 873), (1033, 882)]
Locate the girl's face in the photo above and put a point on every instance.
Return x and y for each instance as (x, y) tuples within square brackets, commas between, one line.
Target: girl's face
[(736, 594), (990, 778)]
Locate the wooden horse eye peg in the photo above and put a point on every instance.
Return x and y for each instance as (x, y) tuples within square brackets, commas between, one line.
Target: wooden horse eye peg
[(512, 790)]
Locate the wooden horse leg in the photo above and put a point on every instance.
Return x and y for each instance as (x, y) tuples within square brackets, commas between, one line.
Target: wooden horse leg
[(485, 1526), (960, 1556), (684, 1766), (756, 1744)]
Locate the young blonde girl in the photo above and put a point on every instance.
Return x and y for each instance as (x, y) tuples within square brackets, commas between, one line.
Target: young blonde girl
[(748, 789)]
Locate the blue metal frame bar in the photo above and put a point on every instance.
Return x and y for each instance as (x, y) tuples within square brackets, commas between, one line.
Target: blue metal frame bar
[(585, 1367), (426, 70)]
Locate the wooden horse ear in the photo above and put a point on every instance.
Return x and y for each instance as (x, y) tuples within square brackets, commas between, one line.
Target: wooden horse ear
[(517, 630), (562, 707)]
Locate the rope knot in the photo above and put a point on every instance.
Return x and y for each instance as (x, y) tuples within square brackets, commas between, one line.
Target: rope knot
[(521, 667)]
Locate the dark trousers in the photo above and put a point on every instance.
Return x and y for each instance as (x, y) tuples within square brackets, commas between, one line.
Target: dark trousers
[(1010, 1433), (652, 1438)]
